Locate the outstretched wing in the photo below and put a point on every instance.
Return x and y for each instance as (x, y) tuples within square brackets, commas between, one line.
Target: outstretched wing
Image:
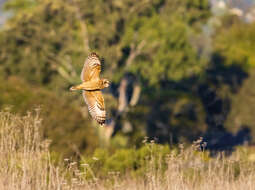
[(91, 68), (95, 102)]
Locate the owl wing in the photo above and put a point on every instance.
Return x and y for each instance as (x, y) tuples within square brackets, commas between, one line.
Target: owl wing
[(91, 68), (95, 102)]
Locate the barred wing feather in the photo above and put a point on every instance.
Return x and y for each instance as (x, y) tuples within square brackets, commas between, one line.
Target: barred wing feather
[(91, 68), (95, 102)]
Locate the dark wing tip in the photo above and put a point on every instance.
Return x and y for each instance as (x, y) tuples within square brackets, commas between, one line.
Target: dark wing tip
[(100, 120), (102, 123)]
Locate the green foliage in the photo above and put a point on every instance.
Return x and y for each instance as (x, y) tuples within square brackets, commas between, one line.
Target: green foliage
[(168, 53), (167, 50), (122, 160), (19, 5), (135, 161), (42, 43), (235, 43), (240, 116), (235, 46)]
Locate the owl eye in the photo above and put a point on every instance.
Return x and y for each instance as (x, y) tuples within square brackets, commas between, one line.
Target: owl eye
[(96, 63)]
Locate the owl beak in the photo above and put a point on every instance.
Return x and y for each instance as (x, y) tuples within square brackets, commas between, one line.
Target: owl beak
[(108, 83)]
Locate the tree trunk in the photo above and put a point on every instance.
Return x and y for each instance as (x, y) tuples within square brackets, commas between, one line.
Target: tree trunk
[(122, 95)]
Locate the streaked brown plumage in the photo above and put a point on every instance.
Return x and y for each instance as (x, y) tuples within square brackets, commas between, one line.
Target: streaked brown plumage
[(91, 87)]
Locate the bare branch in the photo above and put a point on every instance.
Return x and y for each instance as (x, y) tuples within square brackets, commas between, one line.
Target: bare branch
[(134, 52), (135, 95)]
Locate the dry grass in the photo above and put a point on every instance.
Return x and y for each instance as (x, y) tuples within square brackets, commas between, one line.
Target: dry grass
[(24, 156), (25, 163)]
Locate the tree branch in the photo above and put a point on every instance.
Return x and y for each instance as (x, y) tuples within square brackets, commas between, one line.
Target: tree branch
[(135, 95), (122, 95), (84, 29), (135, 51)]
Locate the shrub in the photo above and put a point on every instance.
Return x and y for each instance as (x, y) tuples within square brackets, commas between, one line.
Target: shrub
[(129, 160)]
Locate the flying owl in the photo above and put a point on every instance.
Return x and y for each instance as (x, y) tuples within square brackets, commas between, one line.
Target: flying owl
[(91, 88)]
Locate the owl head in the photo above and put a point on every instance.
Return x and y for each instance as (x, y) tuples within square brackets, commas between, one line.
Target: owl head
[(106, 83)]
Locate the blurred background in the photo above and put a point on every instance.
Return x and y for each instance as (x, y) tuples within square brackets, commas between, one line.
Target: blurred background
[(180, 70)]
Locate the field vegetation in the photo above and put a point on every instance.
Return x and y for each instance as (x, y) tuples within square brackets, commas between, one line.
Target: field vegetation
[(27, 163)]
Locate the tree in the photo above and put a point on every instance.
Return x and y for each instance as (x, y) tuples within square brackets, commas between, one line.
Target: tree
[(145, 43), (41, 42), (148, 47), (235, 48)]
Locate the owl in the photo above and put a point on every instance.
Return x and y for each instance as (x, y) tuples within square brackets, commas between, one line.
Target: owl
[(91, 88)]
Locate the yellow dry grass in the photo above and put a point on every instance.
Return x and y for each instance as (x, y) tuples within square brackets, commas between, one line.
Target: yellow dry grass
[(25, 164)]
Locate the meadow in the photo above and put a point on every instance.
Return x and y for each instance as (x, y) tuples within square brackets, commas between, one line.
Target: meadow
[(180, 105), (27, 163)]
